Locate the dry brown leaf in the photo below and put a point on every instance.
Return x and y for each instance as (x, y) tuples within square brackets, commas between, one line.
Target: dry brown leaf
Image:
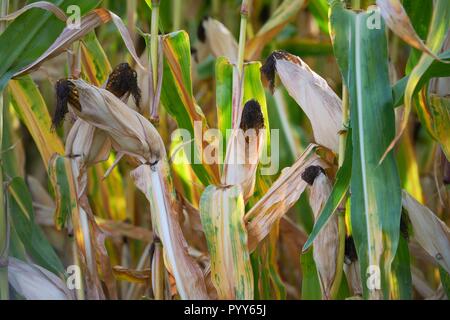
[(281, 196), (429, 231)]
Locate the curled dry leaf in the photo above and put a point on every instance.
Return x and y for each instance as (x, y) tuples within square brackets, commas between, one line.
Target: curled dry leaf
[(429, 231), (36, 283), (133, 276), (398, 21), (311, 92), (244, 150), (152, 181), (222, 212), (60, 14), (327, 241), (281, 196), (69, 35)]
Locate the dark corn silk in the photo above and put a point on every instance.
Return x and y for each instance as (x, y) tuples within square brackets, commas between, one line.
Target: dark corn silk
[(311, 173), (123, 80), (252, 117), (66, 93), (201, 33), (350, 250), (269, 67)]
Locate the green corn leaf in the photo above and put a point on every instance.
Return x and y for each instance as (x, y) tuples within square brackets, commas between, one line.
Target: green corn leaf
[(401, 279), (177, 97), (36, 30), (310, 281), (30, 234), (337, 194), (95, 63), (375, 188), (61, 179), (440, 23)]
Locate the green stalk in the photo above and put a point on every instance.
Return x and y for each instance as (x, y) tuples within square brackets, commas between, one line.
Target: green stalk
[(242, 34), (177, 5), (154, 41), (131, 17), (4, 288), (341, 214)]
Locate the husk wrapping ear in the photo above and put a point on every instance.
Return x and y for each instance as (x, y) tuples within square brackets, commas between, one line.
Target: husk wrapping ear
[(312, 93), (244, 150), (129, 131), (326, 244), (219, 39)]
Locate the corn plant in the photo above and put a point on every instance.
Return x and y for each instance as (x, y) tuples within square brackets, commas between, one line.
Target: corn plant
[(148, 153)]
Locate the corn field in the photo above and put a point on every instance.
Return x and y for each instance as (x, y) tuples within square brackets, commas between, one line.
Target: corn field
[(224, 150)]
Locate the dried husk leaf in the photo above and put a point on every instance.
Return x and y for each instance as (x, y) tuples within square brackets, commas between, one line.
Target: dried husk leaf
[(398, 21), (134, 276), (130, 132), (327, 241), (152, 181), (222, 213), (244, 150), (312, 93), (36, 283), (220, 40), (60, 14), (281, 196), (69, 35), (429, 231)]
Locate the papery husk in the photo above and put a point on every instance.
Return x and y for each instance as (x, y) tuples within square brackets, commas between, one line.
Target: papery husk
[(326, 244), (130, 132), (312, 93), (85, 146), (220, 40), (152, 181), (69, 35), (243, 153), (222, 212), (281, 196), (36, 283), (429, 231)]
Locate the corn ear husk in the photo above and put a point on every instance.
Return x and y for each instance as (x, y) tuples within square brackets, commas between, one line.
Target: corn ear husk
[(85, 146), (220, 40), (312, 93), (429, 231), (222, 213), (152, 181), (36, 283), (129, 131), (326, 244), (281, 196), (243, 153)]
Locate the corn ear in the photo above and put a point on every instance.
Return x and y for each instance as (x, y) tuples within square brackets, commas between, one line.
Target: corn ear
[(311, 92)]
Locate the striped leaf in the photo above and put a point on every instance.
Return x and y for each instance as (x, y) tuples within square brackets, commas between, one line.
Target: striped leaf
[(177, 98), (222, 215), (361, 53)]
